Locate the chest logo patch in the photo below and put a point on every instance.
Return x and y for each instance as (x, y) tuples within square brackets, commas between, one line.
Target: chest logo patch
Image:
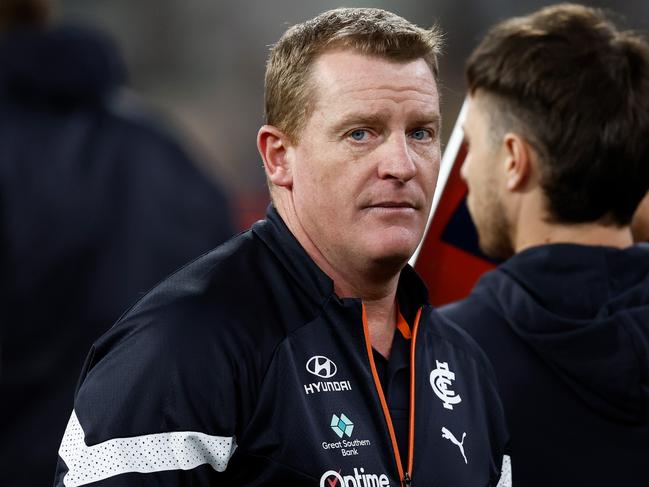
[(342, 425), (447, 435), (321, 366), (440, 380)]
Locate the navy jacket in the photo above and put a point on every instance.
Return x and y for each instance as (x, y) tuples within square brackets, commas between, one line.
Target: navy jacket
[(97, 204), (567, 330), (245, 369)]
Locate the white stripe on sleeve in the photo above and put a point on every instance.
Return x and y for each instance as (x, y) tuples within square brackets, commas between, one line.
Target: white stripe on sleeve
[(506, 472), (179, 450)]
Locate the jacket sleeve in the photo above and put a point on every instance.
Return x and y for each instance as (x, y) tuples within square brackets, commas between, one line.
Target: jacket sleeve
[(506, 473), (157, 404)]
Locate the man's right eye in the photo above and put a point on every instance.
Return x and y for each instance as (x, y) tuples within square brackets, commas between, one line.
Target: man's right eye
[(358, 134)]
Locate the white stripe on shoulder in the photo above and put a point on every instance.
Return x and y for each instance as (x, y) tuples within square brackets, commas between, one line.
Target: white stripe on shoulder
[(179, 450), (506, 472)]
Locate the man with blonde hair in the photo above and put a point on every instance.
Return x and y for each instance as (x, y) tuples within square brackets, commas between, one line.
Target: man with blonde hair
[(303, 352)]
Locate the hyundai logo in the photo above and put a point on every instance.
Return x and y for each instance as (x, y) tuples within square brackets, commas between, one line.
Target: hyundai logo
[(321, 366)]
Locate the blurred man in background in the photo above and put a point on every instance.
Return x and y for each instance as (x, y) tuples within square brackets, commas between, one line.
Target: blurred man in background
[(97, 203), (558, 144)]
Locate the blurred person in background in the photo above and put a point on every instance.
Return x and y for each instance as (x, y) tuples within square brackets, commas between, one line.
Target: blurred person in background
[(303, 352), (640, 222), (97, 203), (558, 143)]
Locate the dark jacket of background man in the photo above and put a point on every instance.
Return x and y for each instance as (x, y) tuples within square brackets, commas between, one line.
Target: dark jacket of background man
[(97, 203), (563, 327)]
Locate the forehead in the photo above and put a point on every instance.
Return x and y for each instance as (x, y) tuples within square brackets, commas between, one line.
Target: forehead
[(345, 76)]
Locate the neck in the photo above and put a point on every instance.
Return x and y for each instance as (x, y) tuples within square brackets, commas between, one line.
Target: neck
[(379, 298), (595, 234), (382, 321), (378, 294), (532, 227), (374, 283)]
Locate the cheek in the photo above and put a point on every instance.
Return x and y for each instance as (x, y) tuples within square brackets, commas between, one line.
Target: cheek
[(429, 170), (325, 188), (437, 165), (472, 174)]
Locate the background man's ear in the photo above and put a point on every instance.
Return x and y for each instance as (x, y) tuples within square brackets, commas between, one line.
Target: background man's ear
[(518, 163), (273, 145)]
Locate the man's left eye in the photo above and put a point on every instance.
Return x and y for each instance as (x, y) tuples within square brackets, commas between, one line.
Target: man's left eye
[(358, 134), (420, 134)]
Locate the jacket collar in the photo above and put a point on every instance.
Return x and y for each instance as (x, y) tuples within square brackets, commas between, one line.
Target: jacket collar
[(411, 292)]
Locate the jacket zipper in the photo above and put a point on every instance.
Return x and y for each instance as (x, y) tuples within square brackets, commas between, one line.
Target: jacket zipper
[(406, 479)]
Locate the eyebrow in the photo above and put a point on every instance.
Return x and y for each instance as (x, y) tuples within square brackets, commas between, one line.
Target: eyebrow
[(433, 118), (377, 118), (350, 119)]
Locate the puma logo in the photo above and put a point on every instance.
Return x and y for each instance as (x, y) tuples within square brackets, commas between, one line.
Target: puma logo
[(446, 434)]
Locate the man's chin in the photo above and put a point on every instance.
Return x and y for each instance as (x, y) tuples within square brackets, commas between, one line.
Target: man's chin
[(393, 256), (496, 249)]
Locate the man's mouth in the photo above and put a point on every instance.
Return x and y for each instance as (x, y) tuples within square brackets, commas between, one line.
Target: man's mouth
[(392, 205)]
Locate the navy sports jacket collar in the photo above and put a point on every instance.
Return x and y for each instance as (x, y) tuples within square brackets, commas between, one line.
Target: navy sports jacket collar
[(279, 239), (411, 292)]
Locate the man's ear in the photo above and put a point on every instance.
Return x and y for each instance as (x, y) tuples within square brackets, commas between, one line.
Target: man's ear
[(518, 162), (273, 145)]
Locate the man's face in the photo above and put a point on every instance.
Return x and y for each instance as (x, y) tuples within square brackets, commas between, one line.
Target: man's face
[(483, 172), (365, 167)]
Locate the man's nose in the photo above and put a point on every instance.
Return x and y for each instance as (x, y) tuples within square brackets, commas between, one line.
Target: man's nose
[(397, 160)]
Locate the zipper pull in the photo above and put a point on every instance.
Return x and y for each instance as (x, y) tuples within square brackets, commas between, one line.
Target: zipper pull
[(406, 479)]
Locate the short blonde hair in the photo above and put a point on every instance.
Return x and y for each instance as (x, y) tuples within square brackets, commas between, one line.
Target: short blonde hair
[(371, 31)]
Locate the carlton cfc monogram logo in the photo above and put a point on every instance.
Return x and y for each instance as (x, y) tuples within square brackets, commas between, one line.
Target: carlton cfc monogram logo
[(440, 380), (321, 366)]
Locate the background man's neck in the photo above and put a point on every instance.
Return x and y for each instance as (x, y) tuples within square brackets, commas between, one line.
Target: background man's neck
[(594, 234), (531, 227)]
